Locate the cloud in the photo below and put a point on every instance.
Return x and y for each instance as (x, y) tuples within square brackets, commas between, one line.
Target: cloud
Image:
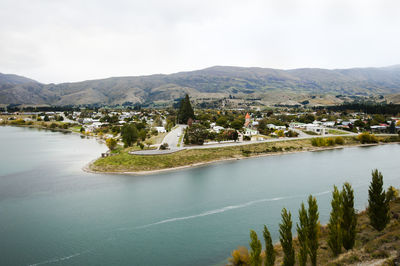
[(58, 41)]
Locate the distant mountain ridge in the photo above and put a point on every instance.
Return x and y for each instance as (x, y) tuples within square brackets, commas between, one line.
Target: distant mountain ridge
[(215, 82)]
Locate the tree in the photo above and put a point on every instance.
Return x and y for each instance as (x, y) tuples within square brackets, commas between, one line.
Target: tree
[(129, 134), (111, 143), (269, 248), (392, 128), (312, 229), (285, 231), (334, 229), (378, 205), (237, 124), (349, 218), (185, 110), (392, 193), (142, 134), (302, 236), (255, 245)]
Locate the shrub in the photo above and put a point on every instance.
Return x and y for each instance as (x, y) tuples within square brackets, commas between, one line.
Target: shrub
[(392, 193), (366, 137), (164, 146), (339, 140), (379, 254), (318, 142), (240, 256), (111, 143), (330, 142), (53, 125)]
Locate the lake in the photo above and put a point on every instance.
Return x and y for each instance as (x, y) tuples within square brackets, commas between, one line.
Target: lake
[(53, 213)]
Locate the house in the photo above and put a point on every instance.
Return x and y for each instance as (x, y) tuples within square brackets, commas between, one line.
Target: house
[(272, 126), (218, 129), (297, 125), (316, 129), (329, 124), (160, 129), (250, 132)]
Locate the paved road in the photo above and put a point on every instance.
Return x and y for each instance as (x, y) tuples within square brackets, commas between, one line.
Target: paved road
[(172, 138), (219, 145)]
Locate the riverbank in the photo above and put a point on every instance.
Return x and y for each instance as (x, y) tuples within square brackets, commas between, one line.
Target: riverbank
[(124, 163), (371, 246)]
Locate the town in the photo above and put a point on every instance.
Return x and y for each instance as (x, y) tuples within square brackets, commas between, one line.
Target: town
[(163, 129)]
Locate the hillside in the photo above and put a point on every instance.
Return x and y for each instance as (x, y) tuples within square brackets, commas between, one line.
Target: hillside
[(264, 85), (371, 247)]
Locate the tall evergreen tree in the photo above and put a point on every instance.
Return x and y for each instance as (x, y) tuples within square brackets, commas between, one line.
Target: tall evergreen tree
[(255, 252), (392, 127), (334, 228), (313, 229), (185, 110), (302, 236), (269, 248), (285, 231), (349, 218), (378, 208)]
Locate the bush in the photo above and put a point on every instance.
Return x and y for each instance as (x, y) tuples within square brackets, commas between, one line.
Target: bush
[(339, 140), (318, 142), (164, 146), (111, 143), (240, 256), (246, 138), (291, 134), (53, 125), (366, 137), (379, 254), (17, 122), (330, 142)]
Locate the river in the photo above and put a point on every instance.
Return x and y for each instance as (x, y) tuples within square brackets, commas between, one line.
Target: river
[(53, 213)]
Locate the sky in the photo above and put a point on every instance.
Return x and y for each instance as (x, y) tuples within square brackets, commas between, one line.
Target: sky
[(54, 41)]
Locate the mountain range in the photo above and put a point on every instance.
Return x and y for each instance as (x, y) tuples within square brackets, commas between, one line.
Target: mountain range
[(271, 86)]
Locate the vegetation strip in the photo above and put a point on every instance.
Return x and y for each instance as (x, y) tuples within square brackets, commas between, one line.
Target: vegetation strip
[(123, 162)]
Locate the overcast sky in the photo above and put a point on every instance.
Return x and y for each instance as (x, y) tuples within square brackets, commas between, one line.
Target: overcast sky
[(72, 40)]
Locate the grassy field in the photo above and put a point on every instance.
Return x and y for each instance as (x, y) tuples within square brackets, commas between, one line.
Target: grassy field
[(124, 162), (337, 132), (157, 139), (371, 247)]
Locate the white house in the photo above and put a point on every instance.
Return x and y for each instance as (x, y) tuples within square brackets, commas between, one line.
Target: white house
[(316, 129), (161, 129), (250, 132), (297, 125), (218, 128), (329, 124)]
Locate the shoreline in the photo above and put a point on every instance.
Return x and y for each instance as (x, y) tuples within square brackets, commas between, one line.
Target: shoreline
[(87, 167)]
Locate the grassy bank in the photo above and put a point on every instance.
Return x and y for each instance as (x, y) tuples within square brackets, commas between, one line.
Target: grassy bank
[(124, 162), (371, 247)]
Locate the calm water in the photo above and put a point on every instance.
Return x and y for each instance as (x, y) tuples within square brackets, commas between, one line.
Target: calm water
[(51, 212)]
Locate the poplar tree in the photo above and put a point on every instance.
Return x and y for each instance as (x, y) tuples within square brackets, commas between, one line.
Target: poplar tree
[(185, 110), (255, 245), (302, 235), (378, 209), (269, 248), (285, 231), (349, 217), (313, 229), (334, 228)]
